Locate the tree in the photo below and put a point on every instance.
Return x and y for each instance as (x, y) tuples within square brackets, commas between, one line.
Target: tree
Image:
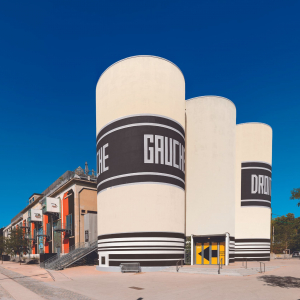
[(287, 233), (17, 243), (2, 246), (295, 195)]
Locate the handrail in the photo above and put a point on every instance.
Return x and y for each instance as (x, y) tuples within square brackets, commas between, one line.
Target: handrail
[(260, 264), (57, 261)]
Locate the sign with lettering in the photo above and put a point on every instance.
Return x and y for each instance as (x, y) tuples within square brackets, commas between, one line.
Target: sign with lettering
[(256, 184), (36, 215), (52, 205), (141, 149)]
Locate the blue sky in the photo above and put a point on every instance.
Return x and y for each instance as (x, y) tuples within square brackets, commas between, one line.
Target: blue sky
[(53, 52)]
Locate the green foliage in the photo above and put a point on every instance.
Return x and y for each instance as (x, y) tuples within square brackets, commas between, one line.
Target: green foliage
[(17, 243), (295, 195), (286, 234), (2, 245), (188, 242)]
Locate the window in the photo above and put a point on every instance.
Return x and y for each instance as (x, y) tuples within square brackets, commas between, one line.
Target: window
[(102, 260), (69, 222), (83, 211)]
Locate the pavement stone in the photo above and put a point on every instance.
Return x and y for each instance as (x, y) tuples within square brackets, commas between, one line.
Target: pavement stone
[(4, 295), (41, 288), (214, 271)]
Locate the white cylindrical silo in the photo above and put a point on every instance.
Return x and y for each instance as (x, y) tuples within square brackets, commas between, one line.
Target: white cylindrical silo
[(253, 191), (140, 112), (210, 173)]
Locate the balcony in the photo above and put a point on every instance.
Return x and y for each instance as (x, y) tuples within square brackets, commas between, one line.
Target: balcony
[(64, 227)]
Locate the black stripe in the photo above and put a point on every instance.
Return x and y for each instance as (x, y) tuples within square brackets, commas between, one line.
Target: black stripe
[(255, 203), (232, 238), (256, 164), (144, 256), (160, 263), (141, 119), (141, 179), (125, 152), (253, 255), (250, 249), (252, 241), (253, 259), (142, 235)]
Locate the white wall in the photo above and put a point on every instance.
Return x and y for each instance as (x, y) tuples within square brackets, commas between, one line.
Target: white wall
[(210, 161), (140, 85), (253, 143)]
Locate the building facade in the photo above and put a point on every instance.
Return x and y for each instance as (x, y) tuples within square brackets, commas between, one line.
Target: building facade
[(54, 220), (170, 168)]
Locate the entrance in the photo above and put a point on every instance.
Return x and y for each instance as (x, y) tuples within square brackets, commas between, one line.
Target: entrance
[(210, 253)]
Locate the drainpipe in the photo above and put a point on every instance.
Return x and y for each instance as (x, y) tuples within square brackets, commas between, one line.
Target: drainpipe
[(227, 242), (192, 249)]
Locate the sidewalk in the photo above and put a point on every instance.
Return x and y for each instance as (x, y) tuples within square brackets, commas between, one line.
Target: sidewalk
[(280, 282), (29, 282)]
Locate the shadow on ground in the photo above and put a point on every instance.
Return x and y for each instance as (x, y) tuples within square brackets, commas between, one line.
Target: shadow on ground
[(281, 281)]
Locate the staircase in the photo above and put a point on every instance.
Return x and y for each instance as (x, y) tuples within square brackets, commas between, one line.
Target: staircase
[(76, 252)]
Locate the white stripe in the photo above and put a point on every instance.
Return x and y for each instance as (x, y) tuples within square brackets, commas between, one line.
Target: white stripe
[(137, 259), (139, 115), (139, 173), (141, 252), (259, 200), (252, 257), (140, 248), (164, 239), (253, 245), (148, 182), (256, 168), (139, 124), (251, 252), (141, 244), (260, 206)]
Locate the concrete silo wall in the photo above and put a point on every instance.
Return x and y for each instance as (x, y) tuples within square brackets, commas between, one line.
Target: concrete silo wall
[(210, 172), (253, 191), (140, 105)]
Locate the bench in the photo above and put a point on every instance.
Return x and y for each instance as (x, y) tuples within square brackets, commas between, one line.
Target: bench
[(130, 267)]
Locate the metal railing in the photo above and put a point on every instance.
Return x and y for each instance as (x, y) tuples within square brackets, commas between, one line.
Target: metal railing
[(177, 264), (220, 265), (43, 234), (245, 263), (75, 253), (260, 268), (63, 227)]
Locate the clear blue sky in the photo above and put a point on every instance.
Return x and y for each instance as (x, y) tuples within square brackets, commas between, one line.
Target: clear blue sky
[(53, 52)]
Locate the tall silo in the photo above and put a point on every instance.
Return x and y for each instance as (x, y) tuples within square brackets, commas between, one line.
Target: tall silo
[(253, 191), (140, 112), (210, 178)]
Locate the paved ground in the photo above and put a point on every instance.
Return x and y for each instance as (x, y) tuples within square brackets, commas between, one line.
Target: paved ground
[(280, 282)]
